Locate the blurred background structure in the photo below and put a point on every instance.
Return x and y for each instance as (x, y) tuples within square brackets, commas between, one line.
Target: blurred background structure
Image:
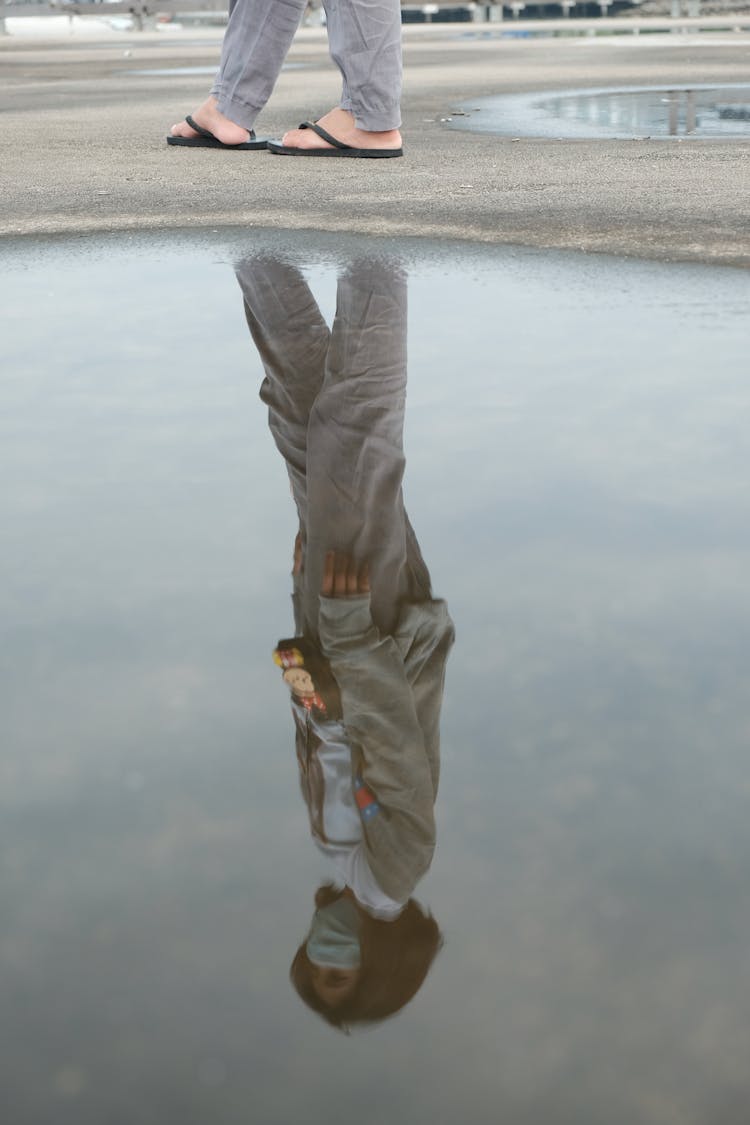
[(139, 13)]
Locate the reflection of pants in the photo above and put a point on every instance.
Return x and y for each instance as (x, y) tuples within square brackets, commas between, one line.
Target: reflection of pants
[(365, 43), (336, 410)]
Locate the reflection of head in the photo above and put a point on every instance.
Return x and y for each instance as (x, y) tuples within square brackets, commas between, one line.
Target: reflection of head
[(395, 958)]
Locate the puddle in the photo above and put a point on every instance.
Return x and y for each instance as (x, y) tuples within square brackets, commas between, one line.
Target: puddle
[(569, 440), (658, 111)]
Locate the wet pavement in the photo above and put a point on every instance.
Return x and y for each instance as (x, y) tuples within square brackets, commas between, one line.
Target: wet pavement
[(567, 434), (84, 146)]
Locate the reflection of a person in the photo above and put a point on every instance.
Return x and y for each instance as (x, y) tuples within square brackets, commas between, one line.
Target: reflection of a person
[(366, 666)]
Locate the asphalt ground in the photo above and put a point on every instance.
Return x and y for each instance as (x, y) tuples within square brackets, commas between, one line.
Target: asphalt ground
[(83, 146)]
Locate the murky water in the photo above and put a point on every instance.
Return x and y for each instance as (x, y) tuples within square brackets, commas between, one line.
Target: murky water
[(658, 111), (569, 438)]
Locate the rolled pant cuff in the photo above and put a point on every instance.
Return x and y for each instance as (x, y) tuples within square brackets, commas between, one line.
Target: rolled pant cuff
[(238, 112), (374, 121)]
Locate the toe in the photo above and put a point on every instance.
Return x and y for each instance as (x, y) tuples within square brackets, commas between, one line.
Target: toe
[(182, 129)]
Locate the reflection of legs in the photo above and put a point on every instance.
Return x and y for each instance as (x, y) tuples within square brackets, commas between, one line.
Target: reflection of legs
[(292, 339), (355, 441)]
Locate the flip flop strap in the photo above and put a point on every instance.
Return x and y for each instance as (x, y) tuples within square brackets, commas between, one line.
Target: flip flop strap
[(324, 135), (207, 133), (199, 128)]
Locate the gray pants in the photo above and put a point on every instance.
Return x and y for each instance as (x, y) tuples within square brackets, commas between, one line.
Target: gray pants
[(336, 403), (364, 40)]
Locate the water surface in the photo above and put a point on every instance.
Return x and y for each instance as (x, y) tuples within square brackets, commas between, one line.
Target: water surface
[(576, 474), (711, 112)]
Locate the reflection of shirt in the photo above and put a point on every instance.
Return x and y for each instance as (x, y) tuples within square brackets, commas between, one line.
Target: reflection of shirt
[(391, 689), (326, 765)]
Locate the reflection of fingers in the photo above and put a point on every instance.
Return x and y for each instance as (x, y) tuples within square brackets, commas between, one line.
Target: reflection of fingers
[(340, 586), (297, 567), (327, 587), (351, 578), (364, 578)]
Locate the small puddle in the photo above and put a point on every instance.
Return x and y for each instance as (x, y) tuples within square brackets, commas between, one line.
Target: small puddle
[(653, 112)]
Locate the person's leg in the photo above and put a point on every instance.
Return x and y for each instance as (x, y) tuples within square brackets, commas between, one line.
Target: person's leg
[(365, 44), (257, 40)]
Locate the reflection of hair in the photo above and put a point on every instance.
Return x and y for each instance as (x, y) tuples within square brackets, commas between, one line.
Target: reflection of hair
[(396, 957), (298, 652)]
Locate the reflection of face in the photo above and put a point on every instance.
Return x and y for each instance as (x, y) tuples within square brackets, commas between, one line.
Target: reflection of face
[(299, 681), (333, 986)]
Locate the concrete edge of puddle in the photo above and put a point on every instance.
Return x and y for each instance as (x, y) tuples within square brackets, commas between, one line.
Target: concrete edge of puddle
[(652, 244)]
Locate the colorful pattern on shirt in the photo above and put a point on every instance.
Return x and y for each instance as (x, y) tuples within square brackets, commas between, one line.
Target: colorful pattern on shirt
[(310, 701), (288, 658), (365, 799)]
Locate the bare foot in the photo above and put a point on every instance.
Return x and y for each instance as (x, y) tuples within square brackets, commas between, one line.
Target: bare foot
[(340, 124), (209, 117)]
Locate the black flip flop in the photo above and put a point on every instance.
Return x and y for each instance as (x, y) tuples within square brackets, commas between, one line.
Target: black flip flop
[(339, 148), (205, 139)]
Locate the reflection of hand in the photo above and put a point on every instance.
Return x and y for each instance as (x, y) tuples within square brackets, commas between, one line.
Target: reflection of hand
[(297, 564), (342, 576)]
